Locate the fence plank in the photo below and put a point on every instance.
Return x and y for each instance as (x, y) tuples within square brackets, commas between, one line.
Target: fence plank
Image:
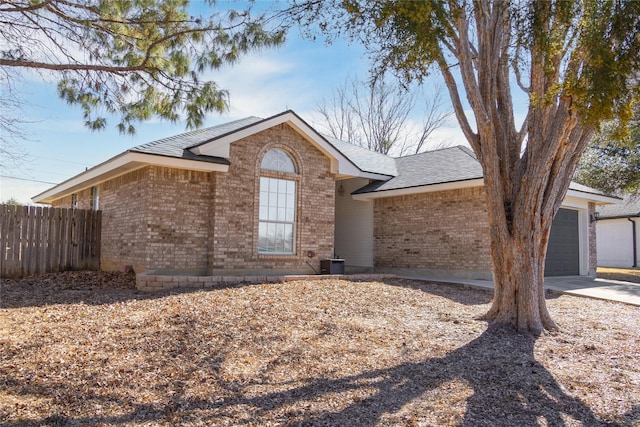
[(4, 225), (37, 239), (11, 240), (52, 252), (22, 238)]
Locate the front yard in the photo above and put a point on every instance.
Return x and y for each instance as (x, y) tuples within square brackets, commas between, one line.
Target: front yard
[(75, 351)]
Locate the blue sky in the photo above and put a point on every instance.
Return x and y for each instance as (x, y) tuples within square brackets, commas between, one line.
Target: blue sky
[(295, 76)]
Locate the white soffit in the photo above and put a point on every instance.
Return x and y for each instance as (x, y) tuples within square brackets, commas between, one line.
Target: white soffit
[(340, 165), (119, 165), (597, 198)]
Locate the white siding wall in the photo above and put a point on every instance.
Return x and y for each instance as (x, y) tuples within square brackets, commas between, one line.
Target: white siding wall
[(615, 245), (354, 225)]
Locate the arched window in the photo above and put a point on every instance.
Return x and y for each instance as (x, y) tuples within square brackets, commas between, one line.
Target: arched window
[(278, 160), (277, 216)]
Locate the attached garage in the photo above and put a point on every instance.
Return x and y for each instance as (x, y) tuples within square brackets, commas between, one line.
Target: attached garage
[(563, 253)]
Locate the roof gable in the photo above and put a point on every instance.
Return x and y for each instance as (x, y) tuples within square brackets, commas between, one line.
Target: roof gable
[(179, 145), (341, 164)]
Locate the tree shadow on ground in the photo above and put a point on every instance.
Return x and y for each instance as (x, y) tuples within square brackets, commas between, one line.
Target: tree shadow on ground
[(452, 291), (507, 387)]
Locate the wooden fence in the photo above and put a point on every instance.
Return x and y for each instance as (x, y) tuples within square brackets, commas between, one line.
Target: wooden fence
[(40, 239)]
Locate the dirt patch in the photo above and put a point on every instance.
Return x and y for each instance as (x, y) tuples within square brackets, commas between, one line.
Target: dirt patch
[(624, 274), (331, 352)]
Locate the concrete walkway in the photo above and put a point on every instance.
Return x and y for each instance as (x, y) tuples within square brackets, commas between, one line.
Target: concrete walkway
[(612, 290)]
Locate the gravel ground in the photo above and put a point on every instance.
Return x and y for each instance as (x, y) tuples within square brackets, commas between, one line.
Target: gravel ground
[(87, 349)]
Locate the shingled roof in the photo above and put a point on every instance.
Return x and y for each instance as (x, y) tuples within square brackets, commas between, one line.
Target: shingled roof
[(432, 167), (178, 145), (447, 165), (366, 160), (455, 166), (630, 207)]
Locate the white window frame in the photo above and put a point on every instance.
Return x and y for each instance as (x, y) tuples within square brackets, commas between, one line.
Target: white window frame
[(277, 214), (277, 204)]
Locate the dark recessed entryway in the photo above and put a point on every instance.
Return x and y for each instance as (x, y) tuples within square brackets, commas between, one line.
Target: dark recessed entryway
[(563, 253)]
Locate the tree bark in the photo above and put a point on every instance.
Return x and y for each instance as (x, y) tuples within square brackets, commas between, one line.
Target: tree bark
[(518, 272)]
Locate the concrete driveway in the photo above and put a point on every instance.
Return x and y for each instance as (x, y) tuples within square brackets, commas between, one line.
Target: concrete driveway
[(612, 290)]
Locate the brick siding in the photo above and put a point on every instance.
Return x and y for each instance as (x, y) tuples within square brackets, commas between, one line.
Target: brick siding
[(159, 218), (236, 207), (124, 204), (445, 230)]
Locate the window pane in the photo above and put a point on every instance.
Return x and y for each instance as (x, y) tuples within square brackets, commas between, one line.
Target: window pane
[(262, 237), (277, 216), (278, 160), (288, 238)]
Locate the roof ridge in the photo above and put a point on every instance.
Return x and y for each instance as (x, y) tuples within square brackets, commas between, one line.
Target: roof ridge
[(430, 151), (192, 132), (468, 151)]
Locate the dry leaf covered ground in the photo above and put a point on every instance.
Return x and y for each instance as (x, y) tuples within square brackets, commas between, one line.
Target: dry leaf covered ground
[(87, 349)]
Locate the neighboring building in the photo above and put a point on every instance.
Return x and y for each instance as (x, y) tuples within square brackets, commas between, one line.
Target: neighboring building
[(273, 196), (618, 233)]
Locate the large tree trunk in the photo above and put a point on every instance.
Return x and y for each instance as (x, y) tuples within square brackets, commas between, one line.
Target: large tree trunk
[(518, 251), (527, 171)]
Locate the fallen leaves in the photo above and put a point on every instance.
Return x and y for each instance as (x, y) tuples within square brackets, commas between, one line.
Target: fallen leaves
[(76, 351)]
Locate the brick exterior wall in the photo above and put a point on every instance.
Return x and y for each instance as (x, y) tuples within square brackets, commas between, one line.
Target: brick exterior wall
[(446, 230), (181, 221), (178, 218), (236, 207), (593, 252), (83, 199), (123, 202)]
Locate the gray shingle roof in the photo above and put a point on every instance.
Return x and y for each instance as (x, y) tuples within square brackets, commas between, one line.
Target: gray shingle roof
[(432, 167), (366, 160), (178, 145), (630, 206)]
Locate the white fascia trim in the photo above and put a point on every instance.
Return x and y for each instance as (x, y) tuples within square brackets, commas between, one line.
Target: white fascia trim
[(597, 198), (339, 163), (421, 189), (587, 197), (120, 165)]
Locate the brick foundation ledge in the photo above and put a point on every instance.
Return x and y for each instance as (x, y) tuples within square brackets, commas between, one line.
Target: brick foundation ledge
[(152, 283)]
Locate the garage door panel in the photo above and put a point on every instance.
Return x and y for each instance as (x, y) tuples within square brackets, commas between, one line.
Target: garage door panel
[(563, 252)]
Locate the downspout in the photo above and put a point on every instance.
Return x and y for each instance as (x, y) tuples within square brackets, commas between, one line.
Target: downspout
[(635, 244)]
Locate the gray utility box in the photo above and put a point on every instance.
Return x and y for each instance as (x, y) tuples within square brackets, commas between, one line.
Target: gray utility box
[(332, 266)]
